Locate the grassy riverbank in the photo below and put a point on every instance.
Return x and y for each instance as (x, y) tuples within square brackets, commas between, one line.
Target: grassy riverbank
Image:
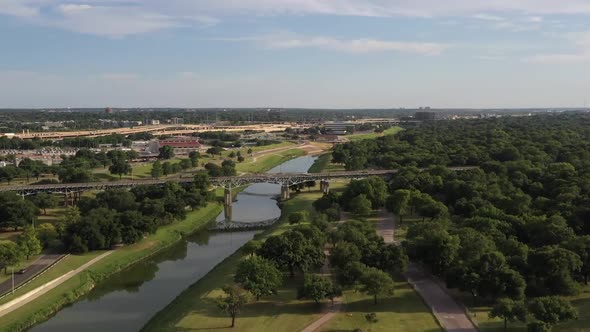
[(42, 308), (71, 290), (195, 307)]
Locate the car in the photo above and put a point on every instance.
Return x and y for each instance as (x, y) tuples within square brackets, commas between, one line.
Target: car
[(21, 271)]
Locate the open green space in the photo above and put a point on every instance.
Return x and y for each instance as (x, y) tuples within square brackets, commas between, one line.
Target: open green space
[(79, 285), (196, 307), (358, 137), (404, 311)]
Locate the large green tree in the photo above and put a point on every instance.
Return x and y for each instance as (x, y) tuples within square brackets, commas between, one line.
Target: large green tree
[(259, 276), (375, 282), (233, 301)]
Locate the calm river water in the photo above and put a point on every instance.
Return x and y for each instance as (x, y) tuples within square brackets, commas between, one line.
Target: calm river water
[(127, 300)]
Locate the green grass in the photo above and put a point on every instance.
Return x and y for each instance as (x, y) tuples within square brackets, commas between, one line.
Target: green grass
[(321, 163), (68, 264), (403, 312), (195, 307), (358, 137), (268, 161), (79, 285)]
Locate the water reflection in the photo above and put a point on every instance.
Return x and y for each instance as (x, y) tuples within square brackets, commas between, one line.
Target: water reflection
[(127, 300)]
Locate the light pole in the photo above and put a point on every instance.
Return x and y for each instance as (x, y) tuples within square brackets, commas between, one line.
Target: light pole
[(12, 279)]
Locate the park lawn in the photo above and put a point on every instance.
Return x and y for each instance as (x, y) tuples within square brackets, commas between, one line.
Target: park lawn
[(582, 324), (321, 163), (52, 216), (358, 137), (403, 312), (268, 161), (195, 307)]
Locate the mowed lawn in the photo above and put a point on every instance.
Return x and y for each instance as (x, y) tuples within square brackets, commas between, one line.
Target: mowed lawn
[(358, 137), (195, 308), (403, 312), (264, 163)]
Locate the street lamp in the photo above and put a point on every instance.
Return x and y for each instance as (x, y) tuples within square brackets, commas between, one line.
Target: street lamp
[(12, 279)]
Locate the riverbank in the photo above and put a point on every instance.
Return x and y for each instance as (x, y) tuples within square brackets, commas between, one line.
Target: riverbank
[(76, 287), (196, 305), (80, 285)]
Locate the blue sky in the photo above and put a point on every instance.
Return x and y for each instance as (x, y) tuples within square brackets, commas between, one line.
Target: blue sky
[(294, 53)]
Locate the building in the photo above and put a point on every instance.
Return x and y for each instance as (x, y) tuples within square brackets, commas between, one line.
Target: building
[(177, 121), (146, 148), (182, 144), (108, 110), (425, 116), (337, 128)]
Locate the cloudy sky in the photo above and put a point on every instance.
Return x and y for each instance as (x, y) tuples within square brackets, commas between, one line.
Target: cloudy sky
[(294, 53)]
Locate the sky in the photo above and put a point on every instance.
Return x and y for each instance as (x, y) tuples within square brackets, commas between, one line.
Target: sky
[(294, 53)]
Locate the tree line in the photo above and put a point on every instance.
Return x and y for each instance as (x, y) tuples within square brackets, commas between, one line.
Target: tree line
[(513, 232)]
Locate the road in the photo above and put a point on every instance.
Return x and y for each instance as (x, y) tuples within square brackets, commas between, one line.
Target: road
[(39, 265), (447, 311)]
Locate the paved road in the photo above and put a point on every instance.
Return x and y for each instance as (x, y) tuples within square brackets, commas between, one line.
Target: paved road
[(39, 265), (450, 315), (39, 291)]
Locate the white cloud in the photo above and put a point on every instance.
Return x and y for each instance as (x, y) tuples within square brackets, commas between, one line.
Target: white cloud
[(581, 40), (120, 18), (488, 17), (354, 45), (17, 8)]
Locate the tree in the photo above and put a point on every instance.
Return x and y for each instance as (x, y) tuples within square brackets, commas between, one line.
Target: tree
[(28, 242), (509, 310), (166, 152), (251, 247), (120, 167), (258, 276), (232, 155), (167, 168), (375, 282), (44, 201), (360, 206), (399, 203), (157, 169), (552, 310), (194, 158), (47, 234), (241, 159), (15, 211), (10, 254), (185, 164), (235, 298), (297, 218), (215, 150), (315, 288), (292, 250), (250, 151), (344, 253), (371, 318)]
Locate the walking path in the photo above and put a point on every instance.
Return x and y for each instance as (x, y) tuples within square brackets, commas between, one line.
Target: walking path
[(450, 315), (329, 311), (35, 293)]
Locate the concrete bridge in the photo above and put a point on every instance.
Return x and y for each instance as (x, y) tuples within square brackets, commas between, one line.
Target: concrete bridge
[(72, 191)]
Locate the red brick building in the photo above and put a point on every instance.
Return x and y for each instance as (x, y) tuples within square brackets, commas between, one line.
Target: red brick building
[(182, 144)]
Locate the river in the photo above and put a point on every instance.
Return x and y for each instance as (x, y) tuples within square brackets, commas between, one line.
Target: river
[(127, 300)]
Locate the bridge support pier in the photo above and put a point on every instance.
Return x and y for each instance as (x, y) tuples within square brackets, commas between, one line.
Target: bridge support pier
[(325, 186), (227, 204), (285, 195)]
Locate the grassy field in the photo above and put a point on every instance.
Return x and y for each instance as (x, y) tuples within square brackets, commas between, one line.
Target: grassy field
[(358, 137), (403, 312), (195, 308), (264, 163), (321, 163)]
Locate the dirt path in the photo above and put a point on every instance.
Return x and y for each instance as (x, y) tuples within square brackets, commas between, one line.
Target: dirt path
[(447, 311), (37, 292)]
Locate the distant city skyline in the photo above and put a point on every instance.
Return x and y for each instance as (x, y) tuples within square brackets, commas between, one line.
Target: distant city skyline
[(295, 53)]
